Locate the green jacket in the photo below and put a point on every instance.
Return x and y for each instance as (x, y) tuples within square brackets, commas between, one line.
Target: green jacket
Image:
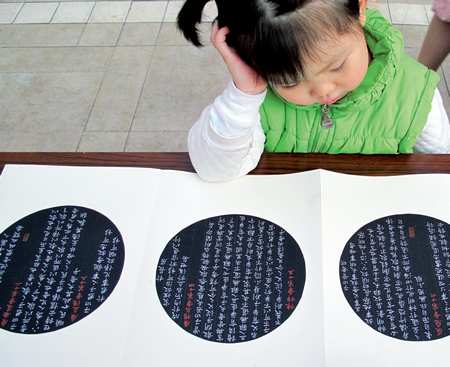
[(384, 114)]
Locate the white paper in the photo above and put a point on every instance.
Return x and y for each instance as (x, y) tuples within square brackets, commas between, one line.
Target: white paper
[(321, 210), (123, 195), (348, 203), (293, 205)]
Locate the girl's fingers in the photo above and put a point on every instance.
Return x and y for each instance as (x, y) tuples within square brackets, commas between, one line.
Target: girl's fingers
[(218, 40), (218, 35)]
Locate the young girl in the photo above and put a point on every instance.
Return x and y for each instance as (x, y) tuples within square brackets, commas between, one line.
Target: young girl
[(311, 76)]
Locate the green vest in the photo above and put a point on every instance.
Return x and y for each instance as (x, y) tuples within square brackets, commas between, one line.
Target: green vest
[(383, 115)]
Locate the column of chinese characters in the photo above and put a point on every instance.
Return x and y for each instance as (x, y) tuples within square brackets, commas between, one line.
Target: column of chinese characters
[(245, 291), (279, 271), (268, 279), (60, 250), (220, 329), (188, 306), (424, 309), (443, 244), (203, 278), (377, 295), (290, 305), (386, 274), (181, 281), (441, 280), (404, 259), (7, 247), (236, 279), (437, 315), (395, 278), (364, 273), (354, 277), (161, 269), (175, 243), (227, 284), (257, 280)]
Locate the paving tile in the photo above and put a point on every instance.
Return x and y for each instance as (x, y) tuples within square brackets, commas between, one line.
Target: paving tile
[(413, 35), (445, 92), (36, 13), (429, 12), (73, 12), (100, 34), (116, 102), (139, 34), (445, 67), (39, 35), (131, 59), (182, 81), (408, 14), (157, 141), (442, 86), (55, 59), (109, 141), (46, 102), (39, 142), (45, 1), (170, 35), (383, 8), (109, 11), (149, 11), (410, 2), (174, 7), (8, 12)]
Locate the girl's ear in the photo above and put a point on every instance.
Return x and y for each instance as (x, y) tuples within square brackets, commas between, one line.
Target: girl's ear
[(362, 12)]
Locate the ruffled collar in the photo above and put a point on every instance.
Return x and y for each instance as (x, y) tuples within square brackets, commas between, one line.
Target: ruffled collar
[(386, 46)]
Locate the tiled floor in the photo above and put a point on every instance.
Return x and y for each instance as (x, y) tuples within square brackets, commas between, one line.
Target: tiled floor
[(117, 76)]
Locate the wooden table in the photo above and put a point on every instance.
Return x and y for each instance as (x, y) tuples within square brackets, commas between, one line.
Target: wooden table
[(375, 165)]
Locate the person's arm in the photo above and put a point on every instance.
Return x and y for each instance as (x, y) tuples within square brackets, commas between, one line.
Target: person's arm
[(435, 137), (227, 141)]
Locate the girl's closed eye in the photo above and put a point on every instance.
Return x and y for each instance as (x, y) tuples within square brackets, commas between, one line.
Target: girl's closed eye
[(339, 67), (287, 86)]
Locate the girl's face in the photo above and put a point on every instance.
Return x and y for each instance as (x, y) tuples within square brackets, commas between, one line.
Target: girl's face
[(340, 71)]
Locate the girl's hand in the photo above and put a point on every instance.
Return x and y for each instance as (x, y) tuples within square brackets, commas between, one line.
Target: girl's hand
[(244, 77)]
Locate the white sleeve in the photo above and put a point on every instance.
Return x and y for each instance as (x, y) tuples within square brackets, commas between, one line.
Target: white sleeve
[(227, 140), (435, 136)]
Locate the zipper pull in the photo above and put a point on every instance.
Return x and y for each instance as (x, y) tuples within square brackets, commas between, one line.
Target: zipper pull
[(327, 122)]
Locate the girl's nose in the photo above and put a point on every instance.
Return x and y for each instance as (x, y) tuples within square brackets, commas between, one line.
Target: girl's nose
[(324, 91)]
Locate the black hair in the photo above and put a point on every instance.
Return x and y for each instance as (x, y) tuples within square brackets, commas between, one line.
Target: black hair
[(274, 37)]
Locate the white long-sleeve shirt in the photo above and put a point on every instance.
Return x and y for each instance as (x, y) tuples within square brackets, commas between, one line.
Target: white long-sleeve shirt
[(227, 140)]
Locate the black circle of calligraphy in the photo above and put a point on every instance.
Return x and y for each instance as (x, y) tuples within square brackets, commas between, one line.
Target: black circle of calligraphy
[(230, 278), (395, 274), (57, 266)]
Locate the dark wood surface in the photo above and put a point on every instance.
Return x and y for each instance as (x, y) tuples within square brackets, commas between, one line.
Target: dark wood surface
[(269, 163)]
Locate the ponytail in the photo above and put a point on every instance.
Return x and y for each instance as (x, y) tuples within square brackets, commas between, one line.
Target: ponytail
[(353, 7), (189, 16)]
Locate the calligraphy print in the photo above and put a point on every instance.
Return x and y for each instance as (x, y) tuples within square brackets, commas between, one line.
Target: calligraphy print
[(231, 278), (56, 267), (395, 274)]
